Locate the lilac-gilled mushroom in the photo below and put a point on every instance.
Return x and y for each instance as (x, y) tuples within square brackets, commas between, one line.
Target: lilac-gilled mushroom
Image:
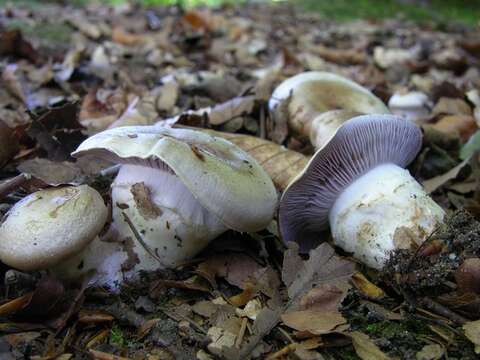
[(177, 190), (318, 103), (357, 184)]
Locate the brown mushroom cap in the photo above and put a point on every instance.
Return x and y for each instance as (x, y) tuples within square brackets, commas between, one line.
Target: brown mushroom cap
[(361, 144)]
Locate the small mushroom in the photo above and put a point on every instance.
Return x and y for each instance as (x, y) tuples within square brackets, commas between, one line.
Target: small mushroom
[(50, 226), (177, 190), (311, 97), (357, 184), (412, 106)]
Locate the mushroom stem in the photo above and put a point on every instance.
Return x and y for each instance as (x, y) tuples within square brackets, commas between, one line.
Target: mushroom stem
[(174, 225), (383, 210)]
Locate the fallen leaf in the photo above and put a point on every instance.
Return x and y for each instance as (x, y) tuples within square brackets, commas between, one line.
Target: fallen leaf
[(430, 352), (472, 146), (452, 107), (12, 42), (366, 287), (365, 347), (462, 125), (472, 332), (433, 184), (51, 172), (323, 266), (313, 321)]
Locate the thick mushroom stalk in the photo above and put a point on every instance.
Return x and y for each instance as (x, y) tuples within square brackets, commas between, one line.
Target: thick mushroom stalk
[(318, 103), (177, 190), (357, 185)]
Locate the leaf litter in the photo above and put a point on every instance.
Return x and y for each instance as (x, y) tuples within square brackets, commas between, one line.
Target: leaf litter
[(246, 296)]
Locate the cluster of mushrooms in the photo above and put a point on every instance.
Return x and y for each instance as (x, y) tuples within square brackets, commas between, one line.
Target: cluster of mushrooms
[(178, 189)]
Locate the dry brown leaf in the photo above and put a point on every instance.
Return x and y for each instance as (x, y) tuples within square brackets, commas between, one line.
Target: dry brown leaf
[(472, 332), (94, 317), (366, 287), (124, 37), (340, 56), (366, 348), (451, 107), (13, 84), (322, 267), (433, 184), (313, 321), (51, 172), (237, 269), (8, 143), (462, 125), (12, 42), (430, 352)]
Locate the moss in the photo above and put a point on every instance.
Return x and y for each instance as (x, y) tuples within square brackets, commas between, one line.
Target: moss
[(45, 32), (116, 336)]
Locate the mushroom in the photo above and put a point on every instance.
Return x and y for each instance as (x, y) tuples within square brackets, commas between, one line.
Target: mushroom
[(412, 106), (48, 227), (177, 190), (312, 96), (357, 184)]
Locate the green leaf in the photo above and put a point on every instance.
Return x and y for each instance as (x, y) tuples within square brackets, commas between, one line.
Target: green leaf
[(472, 145)]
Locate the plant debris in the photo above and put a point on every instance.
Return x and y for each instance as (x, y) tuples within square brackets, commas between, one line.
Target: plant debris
[(71, 72)]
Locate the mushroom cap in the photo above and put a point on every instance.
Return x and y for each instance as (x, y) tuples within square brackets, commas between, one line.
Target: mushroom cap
[(361, 144), (314, 91), (51, 225), (223, 178)]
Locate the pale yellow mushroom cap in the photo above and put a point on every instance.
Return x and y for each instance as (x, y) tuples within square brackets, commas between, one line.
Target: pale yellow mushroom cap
[(51, 225), (223, 178)]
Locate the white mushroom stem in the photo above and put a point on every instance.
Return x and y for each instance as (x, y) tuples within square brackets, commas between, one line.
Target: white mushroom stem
[(173, 224), (383, 210)]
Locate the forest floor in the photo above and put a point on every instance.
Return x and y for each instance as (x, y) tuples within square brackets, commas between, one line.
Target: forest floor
[(71, 72)]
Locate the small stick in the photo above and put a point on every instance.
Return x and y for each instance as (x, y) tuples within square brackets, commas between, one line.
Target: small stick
[(241, 333), (181, 317), (443, 311), (12, 184), (139, 238), (263, 131), (100, 355)]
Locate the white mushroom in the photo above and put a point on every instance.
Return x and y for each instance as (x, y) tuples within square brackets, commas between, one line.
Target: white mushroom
[(177, 190), (312, 95), (357, 185), (50, 226), (412, 106)]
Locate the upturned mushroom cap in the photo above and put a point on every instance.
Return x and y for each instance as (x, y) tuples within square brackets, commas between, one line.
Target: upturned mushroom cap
[(224, 179), (314, 92), (360, 145), (49, 226)]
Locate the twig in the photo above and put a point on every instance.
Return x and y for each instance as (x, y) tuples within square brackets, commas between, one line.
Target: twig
[(280, 354), (176, 317), (442, 310), (139, 238), (263, 130), (100, 355), (12, 184), (241, 333)]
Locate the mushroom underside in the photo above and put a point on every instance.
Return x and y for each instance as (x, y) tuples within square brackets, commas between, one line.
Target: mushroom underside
[(360, 145)]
